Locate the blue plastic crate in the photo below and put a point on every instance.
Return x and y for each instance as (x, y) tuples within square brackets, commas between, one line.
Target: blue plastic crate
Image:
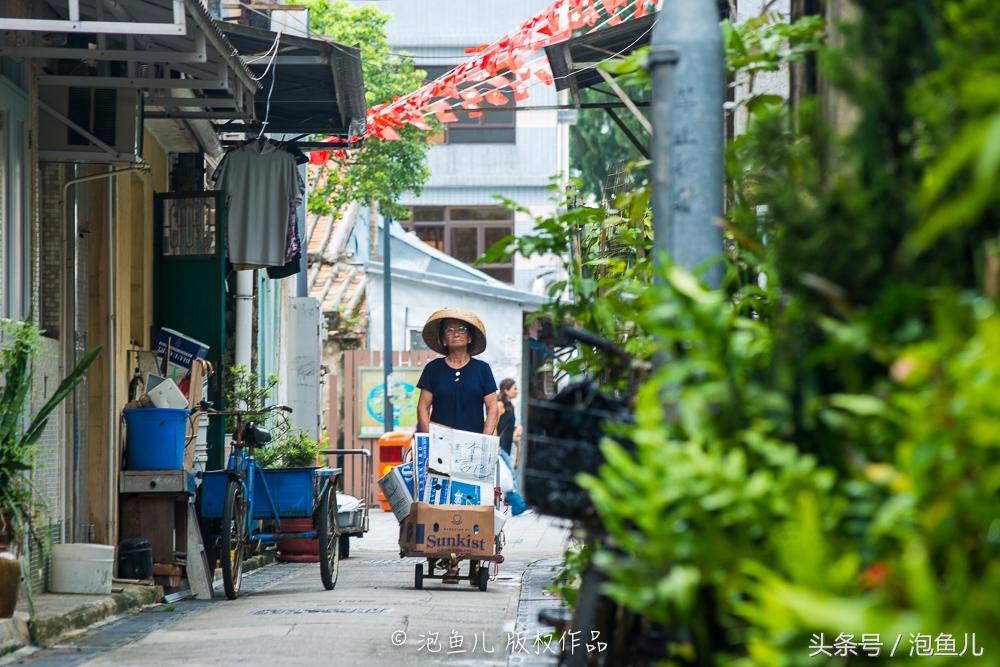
[(292, 489)]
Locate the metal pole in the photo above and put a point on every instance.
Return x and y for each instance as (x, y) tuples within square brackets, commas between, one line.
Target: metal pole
[(686, 59), (387, 416)]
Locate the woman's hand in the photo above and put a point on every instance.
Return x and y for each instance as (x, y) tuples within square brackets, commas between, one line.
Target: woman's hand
[(517, 433)]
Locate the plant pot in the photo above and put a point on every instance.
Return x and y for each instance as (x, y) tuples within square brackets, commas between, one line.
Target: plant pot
[(10, 582), (298, 550)]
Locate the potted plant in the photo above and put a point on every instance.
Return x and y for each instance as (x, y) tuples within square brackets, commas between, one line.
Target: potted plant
[(20, 506)]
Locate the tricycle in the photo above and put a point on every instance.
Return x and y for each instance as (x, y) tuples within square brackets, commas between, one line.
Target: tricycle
[(251, 501)]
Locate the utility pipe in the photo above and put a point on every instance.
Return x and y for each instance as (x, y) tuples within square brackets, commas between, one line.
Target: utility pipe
[(71, 308), (244, 318), (686, 61), (388, 419)]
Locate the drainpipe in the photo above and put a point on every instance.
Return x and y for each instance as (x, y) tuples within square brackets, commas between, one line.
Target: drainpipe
[(71, 307), (686, 62), (244, 318)]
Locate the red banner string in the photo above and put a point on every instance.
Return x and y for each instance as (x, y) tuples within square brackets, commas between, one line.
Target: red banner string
[(499, 66)]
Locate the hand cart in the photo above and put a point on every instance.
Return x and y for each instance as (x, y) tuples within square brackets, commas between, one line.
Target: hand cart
[(479, 566), (353, 521)]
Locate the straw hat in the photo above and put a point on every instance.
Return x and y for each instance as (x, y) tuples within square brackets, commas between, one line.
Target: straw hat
[(432, 330)]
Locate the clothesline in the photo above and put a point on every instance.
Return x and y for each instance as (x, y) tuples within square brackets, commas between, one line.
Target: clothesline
[(497, 68)]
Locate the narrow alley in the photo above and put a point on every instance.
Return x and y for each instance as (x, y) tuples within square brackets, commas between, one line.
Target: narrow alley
[(374, 615)]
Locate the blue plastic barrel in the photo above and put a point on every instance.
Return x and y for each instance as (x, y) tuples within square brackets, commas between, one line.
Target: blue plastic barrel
[(154, 438)]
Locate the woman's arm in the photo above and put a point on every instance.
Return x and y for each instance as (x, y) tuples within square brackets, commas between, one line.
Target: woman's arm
[(424, 411), (492, 413)]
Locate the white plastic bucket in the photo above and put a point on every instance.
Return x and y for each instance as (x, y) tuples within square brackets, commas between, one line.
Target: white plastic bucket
[(82, 568)]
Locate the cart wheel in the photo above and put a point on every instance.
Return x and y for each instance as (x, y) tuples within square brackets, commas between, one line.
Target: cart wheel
[(233, 541), (474, 566), (418, 576), (345, 546), (483, 575), (329, 540)]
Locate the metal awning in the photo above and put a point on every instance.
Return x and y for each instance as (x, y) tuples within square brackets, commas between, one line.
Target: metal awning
[(573, 61), (318, 87), (149, 45), (574, 65)]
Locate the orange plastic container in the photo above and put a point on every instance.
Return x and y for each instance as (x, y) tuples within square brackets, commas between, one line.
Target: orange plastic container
[(390, 455)]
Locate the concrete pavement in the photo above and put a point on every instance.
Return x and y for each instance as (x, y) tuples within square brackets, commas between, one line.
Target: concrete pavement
[(373, 617)]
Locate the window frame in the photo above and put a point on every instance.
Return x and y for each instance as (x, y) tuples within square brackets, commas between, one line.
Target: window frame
[(450, 223)]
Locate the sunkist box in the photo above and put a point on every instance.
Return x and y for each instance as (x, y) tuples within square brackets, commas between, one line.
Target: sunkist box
[(436, 530)]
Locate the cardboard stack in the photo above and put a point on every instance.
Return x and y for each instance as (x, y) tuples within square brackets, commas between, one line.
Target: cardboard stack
[(443, 497)]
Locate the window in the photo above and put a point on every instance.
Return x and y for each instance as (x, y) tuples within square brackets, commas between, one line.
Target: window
[(492, 125), (465, 233)]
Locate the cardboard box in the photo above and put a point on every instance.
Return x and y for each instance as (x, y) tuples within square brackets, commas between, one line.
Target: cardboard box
[(463, 455), (397, 485), (183, 351), (439, 449), (167, 395), (442, 490), (430, 530)]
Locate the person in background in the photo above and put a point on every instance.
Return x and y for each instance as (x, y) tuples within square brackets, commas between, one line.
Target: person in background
[(456, 390), (507, 429), (508, 420)]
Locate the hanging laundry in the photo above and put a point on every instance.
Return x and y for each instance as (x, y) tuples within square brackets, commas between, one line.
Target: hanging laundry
[(262, 184)]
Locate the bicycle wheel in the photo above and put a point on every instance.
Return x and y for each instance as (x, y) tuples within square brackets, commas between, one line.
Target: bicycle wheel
[(234, 537), (329, 541)]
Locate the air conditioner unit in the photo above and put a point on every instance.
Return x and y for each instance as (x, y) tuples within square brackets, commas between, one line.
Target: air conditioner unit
[(111, 115)]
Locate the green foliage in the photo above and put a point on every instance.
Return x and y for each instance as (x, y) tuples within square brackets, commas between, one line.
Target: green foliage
[(289, 447), (598, 146), (294, 450), (20, 506), (380, 170), (818, 453)]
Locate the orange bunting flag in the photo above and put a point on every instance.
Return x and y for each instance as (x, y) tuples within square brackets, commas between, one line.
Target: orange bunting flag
[(496, 98), (609, 6), (443, 112), (478, 49), (475, 114), (520, 92), (389, 134), (545, 76), (472, 95), (319, 157), (499, 81), (469, 104), (640, 10), (477, 74), (417, 121)]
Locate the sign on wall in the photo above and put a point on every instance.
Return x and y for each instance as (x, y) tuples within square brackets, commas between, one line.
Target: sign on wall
[(371, 403)]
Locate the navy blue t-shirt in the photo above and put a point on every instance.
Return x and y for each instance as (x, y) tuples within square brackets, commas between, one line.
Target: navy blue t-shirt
[(458, 393)]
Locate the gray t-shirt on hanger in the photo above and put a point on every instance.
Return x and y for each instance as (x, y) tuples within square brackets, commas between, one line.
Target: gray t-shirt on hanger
[(261, 186)]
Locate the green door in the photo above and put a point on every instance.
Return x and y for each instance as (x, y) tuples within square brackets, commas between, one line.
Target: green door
[(189, 283)]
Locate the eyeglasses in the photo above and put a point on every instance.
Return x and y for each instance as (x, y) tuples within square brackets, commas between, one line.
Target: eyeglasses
[(456, 330)]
